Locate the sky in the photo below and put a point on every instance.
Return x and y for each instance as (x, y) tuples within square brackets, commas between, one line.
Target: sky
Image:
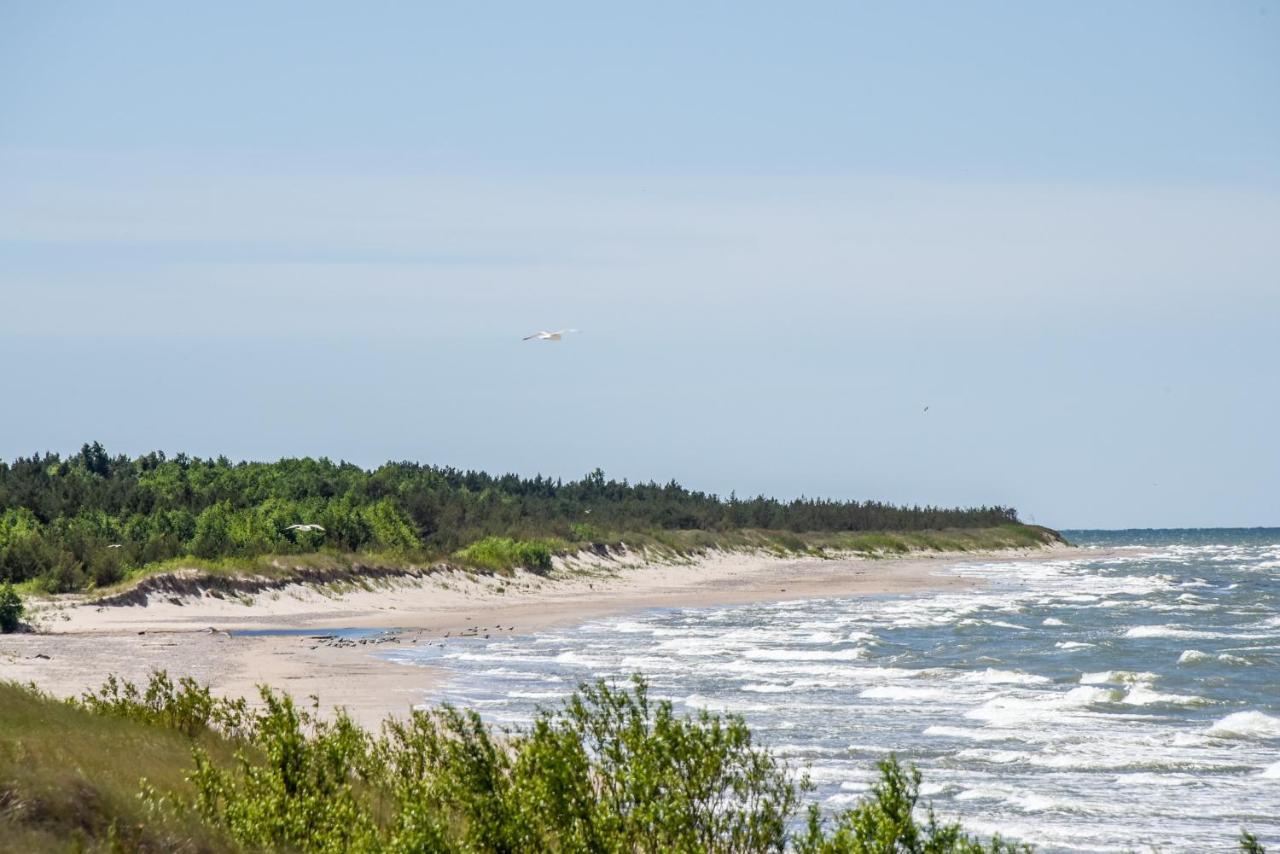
[(288, 229)]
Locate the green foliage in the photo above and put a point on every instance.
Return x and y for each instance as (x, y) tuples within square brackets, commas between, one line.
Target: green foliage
[(92, 519), (1249, 843), (503, 554), (610, 771), (11, 608), (187, 707), (886, 823)]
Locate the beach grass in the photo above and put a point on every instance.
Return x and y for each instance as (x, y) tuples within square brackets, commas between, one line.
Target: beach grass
[(69, 779), (495, 555)]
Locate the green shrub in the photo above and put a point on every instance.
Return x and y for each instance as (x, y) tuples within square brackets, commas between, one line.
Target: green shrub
[(886, 822), (503, 554), (11, 608), (609, 771)]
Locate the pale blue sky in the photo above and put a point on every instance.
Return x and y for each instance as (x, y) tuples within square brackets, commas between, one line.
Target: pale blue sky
[(266, 229)]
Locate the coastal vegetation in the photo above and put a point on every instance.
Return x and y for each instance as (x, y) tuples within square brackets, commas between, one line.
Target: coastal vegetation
[(11, 608), (169, 767), (610, 770), (92, 520)]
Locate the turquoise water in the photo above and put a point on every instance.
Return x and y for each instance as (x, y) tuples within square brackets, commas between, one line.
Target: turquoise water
[(1094, 704)]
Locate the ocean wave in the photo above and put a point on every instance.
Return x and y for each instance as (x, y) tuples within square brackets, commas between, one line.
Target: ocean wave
[(1052, 621), (1007, 711), (1194, 656), (854, 654), (997, 757), (1246, 725), (903, 692), (1140, 695), (966, 732), (1117, 676), (767, 688), (1271, 772), (1073, 645), (991, 676), (1170, 632), (720, 704)]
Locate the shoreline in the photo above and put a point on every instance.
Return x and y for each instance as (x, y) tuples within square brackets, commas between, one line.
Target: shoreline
[(78, 644)]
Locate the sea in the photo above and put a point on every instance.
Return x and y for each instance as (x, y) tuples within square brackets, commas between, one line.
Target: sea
[(1127, 698)]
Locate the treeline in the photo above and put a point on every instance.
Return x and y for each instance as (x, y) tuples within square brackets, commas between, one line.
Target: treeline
[(86, 518)]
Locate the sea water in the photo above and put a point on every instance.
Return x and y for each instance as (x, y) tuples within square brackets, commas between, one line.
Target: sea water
[(1120, 700)]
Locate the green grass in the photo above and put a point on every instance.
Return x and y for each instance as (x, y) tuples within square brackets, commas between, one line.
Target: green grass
[(831, 544), (69, 780)]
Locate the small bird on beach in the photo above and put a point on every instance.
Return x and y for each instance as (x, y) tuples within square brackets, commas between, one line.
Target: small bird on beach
[(304, 528), (547, 336)]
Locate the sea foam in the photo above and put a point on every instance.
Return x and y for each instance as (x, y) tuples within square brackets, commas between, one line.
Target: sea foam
[(1247, 725)]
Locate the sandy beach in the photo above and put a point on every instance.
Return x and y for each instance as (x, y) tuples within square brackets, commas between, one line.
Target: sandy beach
[(78, 643)]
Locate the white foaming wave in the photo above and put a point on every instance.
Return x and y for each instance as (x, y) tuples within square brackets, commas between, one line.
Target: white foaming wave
[(720, 704), (1194, 656), (1073, 645), (1170, 632), (1271, 772), (571, 657), (1052, 621), (508, 673), (821, 637), (1246, 725), (1236, 660), (904, 692), (695, 647), (998, 757), (1147, 778), (1141, 695), (1019, 799), (853, 654), (991, 676), (966, 732), (1121, 676), (1010, 711), (536, 695), (645, 663), (629, 627), (768, 688)]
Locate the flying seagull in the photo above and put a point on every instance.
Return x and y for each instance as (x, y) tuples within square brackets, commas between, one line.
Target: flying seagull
[(547, 336), (926, 409), (304, 528)]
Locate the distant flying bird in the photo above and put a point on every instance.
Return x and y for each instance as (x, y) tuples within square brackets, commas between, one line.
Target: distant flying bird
[(114, 546), (926, 409), (547, 336), (304, 528)]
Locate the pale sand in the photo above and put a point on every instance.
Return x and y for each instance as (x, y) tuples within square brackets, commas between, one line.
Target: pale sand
[(84, 642)]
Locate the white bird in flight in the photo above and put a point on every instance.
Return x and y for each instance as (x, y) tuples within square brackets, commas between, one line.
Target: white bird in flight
[(547, 336), (114, 546), (304, 528)]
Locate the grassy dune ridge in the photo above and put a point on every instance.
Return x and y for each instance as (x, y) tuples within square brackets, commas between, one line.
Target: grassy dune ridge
[(504, 555)]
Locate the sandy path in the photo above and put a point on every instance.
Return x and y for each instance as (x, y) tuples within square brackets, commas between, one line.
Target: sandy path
[(80, 644)]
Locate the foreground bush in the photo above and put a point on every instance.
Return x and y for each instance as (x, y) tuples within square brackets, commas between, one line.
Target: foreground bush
[(610, 771)]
